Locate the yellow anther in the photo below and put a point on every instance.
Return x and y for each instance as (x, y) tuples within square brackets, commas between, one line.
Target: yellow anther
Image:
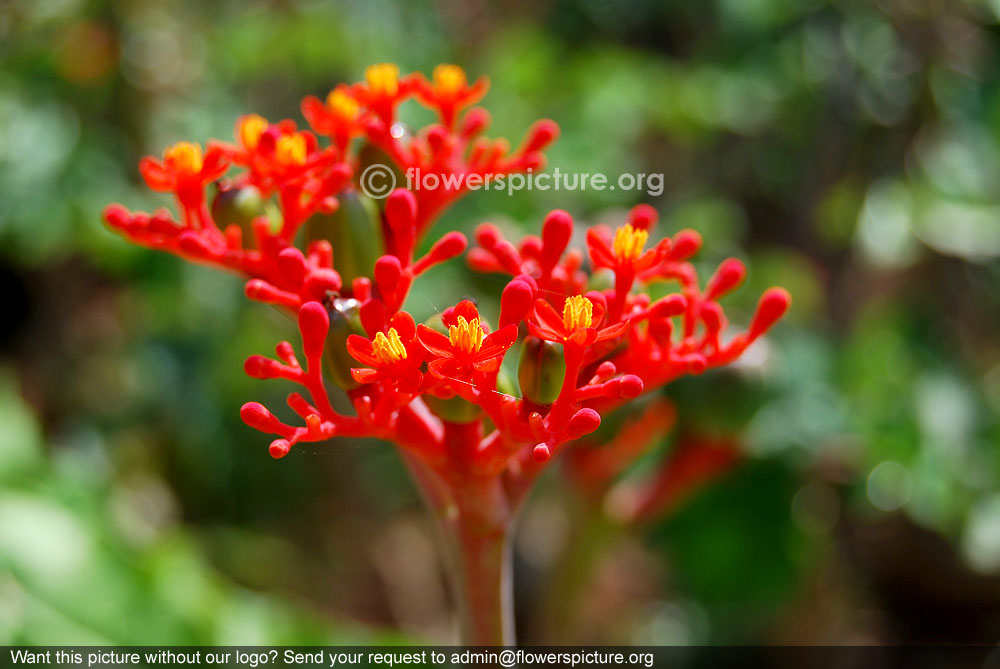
[(383, 79), (251, 128), (388, 349), (291, 149), (184, 157), (629, 242), (343, 106), (466, 336), (578, 313), (449, 79)]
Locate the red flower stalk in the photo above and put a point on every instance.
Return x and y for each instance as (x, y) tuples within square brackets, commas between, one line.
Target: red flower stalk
[(473, 441)]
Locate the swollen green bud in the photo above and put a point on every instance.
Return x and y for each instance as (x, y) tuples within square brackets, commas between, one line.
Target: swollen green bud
[(541, 370), (345, 320), (353, 231), (453, 409), (240, 205)]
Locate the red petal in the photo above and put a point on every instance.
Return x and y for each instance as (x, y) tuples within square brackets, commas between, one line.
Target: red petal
[(405, 327), (488, 365), (156, 175), (600, 253), (612, 331), (548, 317), (361, 350), (444, 368), (545, 333), (365, 375), (466, 309), (435, 342), (500, 340), (584, 337)]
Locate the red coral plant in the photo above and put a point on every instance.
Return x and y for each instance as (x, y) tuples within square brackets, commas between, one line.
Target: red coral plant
[(286, 213)]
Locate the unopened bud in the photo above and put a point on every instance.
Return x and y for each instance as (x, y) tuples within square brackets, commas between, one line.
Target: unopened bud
[(541, 370), (345, 320), (453, 409), (353, 231), (239, 205)]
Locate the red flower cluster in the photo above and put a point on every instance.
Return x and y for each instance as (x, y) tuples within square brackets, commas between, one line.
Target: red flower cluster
[(437, 390)]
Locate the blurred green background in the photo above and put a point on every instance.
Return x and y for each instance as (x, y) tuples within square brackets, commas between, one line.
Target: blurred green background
[(850, 151)]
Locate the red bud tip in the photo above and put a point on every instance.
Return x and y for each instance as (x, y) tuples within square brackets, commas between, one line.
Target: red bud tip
[(541, 453), (279, 448), (668, 307), (476, 121), (192, 244), (117, 216), (449, 246), (696, 363), (556, 233), (515, 302), (388, 271), (257, 416), (712, 316), (605, 370), (583, 422), (729, 275), (437, 137), (260, 290), (541, 134), (487, 235), (661, 330), (630, 386), (772, 306), (401, 209), (313, 324), (292, 264), (683, 245), (322, 281), (643, 217), (260, 367)]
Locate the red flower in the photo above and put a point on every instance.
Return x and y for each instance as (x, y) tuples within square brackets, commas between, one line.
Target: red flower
[(277, 153), (390, 355), (625, 252), (184, 168), (469, 346), (382, 90), (450, 92), (340, 117), (577, 325)]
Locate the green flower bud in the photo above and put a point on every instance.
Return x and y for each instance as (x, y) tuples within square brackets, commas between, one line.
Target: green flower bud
[(241, 205), (453, 409), (345, 320), (541, 370), (505, 381), (354, 231)]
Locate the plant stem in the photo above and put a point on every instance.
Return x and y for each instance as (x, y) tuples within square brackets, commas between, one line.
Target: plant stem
[(475, 520)]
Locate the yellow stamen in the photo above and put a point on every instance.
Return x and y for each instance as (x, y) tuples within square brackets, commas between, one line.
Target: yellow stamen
[(388, 349), (184, 157), (629, 242), (467, 336), (291, 149), (578, 313), (449, 79), (343, 106), (383, 79), (250, 130)]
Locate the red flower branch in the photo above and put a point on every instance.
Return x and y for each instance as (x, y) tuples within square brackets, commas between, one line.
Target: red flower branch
[(473, 440)]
